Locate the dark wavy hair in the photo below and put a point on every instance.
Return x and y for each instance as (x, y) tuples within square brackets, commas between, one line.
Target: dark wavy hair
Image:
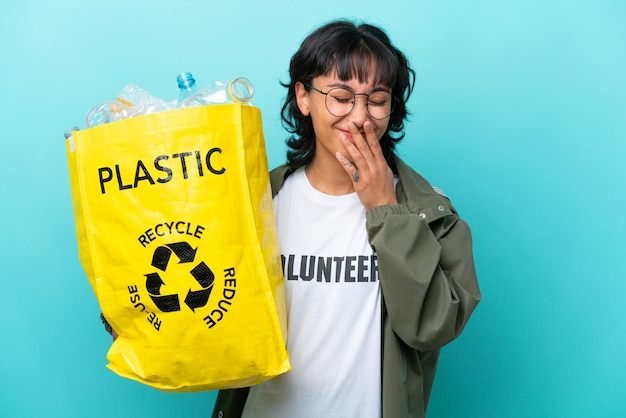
[(350, 49)]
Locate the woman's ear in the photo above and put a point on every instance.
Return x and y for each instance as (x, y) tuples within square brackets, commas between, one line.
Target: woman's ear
[(302, 98)]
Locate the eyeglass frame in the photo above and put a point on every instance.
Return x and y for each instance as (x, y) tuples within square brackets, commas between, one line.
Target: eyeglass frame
[(394, 99)]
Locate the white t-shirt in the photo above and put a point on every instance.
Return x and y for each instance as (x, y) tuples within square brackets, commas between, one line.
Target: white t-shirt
[(333, 310)]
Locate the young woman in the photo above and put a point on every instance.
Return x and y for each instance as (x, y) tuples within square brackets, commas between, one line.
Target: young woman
[(379, 270)]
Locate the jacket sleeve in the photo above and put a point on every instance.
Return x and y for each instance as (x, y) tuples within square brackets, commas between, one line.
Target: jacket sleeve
[(427, 274)]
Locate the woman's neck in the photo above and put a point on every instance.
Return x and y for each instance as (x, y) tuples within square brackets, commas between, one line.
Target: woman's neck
[(329, 177)]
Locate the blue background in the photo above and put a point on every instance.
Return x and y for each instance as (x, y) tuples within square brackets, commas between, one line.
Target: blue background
[(519, 114)]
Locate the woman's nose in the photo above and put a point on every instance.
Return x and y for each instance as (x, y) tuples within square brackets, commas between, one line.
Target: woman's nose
[(359, 112)]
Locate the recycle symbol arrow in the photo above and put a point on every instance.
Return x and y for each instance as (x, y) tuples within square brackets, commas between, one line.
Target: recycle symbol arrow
[(201, 273), (166, 303)]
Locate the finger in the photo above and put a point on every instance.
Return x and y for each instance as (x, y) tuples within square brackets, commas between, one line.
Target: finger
[(372, 140), (350, 168), (359, 139), (359, 149), (367, 143), (352, 149)]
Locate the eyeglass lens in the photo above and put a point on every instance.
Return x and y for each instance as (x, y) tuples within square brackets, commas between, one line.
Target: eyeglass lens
[(340, 102)]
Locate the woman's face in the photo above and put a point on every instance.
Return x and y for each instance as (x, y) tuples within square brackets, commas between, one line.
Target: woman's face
[(328, 127)]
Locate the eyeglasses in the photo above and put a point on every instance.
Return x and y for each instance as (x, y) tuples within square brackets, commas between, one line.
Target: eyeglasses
[(340, 102)]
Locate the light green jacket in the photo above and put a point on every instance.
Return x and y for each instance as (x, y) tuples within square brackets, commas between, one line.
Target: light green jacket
[(429, 290)]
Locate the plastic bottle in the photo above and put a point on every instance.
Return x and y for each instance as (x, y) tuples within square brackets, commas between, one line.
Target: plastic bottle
[(239, 90), (140, 101), (131, 101), (187, 86), (106, 112)]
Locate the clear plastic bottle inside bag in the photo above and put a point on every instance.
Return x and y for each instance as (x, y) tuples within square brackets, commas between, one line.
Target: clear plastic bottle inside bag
[(239, 90), (131, 101), (106, 112), (141, 102), (187, 86)]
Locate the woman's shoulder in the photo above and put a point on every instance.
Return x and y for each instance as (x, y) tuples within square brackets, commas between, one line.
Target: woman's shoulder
[(419, 194), (278, 176)]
